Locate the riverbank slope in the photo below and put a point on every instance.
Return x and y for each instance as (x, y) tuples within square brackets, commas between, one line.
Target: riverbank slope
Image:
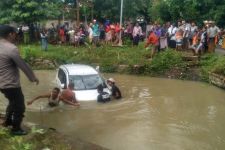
[(130, 60)]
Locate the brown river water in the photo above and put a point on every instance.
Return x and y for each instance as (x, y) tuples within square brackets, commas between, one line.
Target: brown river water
[(154, 114)]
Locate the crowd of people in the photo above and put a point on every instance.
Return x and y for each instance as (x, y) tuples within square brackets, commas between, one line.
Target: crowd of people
[(185, 35), (181, 35)]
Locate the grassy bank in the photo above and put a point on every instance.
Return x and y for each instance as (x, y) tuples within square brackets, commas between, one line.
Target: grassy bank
[(42, 139), (105, 56), (169, 63), (36, 139)]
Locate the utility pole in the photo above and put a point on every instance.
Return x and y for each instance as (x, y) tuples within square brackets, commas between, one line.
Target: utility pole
[(78, 12), (92, 12), (121, 21)]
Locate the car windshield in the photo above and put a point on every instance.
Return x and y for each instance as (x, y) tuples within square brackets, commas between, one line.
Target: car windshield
[(86, 82)]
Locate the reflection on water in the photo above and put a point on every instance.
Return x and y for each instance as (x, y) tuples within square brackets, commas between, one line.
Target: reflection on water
[(154, 114)]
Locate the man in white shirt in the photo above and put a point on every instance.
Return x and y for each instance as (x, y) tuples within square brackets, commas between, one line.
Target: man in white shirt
[(212, 32), (186, 33), (171, 32)]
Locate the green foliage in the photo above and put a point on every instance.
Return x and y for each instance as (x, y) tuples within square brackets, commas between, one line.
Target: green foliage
[(212, 63), (219, 67), (163, 10), (4, 133), (19, 144), (108, 57), (160, 11), (165, 61), (207, 63), (28, 11), (14, 143), (37, 130), (27, 54), (197, 10), (41, 139), (137, 58), (107, 65)]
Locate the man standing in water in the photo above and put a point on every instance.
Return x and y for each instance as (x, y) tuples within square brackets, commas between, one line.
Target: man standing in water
[(115, 90), (68, 96), (11, 62)]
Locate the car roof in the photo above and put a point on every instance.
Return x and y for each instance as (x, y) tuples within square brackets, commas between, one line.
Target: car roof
[(79, 69)]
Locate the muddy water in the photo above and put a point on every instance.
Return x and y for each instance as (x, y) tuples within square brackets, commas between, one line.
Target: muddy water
[(154, 114)]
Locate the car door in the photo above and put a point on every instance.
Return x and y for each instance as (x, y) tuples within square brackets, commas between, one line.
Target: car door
[(61, 79)]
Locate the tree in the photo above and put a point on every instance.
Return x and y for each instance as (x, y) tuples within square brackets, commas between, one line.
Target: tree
[(163, 10), (28, 11), (159, 11), (173, 10)]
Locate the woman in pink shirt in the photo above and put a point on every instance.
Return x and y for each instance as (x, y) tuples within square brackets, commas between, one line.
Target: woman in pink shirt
[(137, 32)]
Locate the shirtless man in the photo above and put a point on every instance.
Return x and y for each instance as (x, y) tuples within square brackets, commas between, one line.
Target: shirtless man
[(68, 96)]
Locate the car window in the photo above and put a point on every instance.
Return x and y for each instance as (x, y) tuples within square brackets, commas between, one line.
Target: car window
[(86, 82), (62, 76), (92, 81), (78, 82)]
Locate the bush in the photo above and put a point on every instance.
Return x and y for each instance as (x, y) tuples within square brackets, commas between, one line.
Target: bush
[(108, 66), (212, 63), (165, 61), (219, 67)]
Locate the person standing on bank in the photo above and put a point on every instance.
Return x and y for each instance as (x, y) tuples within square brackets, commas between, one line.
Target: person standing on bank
[(11, 62), (153, 40), (44, 40), (115, 90), (137, 32), (212, 32)]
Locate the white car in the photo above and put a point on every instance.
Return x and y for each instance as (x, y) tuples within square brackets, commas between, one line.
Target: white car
[(85, 78)]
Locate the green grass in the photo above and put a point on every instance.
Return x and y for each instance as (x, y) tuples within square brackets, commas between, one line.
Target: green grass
[(37, 139), (105, 56), (212, 63), (109, 58)]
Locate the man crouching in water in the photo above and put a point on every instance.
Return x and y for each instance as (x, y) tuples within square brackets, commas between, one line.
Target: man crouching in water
[(68, 96)]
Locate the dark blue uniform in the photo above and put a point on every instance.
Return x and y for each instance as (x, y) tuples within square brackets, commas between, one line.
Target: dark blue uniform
[(103, 97)]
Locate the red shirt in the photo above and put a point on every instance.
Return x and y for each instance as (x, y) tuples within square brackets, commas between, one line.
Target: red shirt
[(152, 39), (117, 28), (107, 29), (61, 32)]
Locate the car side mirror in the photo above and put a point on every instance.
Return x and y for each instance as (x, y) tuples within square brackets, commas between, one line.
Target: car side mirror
[(97, 68), (63, 86)]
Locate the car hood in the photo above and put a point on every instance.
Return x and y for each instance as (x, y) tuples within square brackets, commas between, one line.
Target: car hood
[(88, 95)]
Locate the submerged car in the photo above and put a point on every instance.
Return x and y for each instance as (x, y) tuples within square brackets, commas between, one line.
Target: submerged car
[(85, 78)]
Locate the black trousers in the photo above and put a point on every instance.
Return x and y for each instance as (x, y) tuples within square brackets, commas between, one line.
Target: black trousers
[(136, 40), (15, 108)]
